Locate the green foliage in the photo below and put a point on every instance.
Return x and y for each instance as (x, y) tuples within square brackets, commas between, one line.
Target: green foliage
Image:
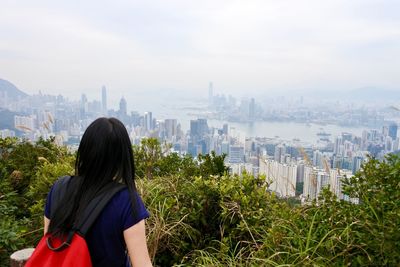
[(211, 164), (169, 234), (152, 159), (202, 216), (147, 157), (25, 179), (378, 190)]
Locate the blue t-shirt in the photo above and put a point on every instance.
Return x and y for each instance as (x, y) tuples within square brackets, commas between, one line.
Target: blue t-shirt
[(105, 238)]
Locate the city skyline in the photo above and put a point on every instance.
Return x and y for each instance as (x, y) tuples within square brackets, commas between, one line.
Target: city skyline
[(65, 47), (293, 167)]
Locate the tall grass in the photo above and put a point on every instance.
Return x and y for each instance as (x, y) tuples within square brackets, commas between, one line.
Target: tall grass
[(201, 216)]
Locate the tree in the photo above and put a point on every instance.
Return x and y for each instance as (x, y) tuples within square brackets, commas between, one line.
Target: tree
[(211, 164), (377, 186)]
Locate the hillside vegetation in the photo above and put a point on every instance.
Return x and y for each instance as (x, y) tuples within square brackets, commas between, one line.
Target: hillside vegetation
[(202, 216)]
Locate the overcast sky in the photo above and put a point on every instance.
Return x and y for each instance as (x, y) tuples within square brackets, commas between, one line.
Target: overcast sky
[(242, 46)]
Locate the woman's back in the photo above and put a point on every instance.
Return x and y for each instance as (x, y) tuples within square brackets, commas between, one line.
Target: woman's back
[(105, 239), (104, 156)]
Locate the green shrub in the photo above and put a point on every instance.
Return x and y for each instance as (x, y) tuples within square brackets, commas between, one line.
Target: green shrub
[(202, 216)]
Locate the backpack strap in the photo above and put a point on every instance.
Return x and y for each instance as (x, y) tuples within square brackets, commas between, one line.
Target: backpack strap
[(94, 208), (60, 188)]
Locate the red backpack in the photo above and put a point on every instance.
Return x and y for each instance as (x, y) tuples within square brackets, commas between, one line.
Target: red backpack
[(72, 250)]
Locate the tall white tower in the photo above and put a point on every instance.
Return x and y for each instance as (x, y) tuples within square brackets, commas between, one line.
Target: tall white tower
[(104, 100), (210, 94)]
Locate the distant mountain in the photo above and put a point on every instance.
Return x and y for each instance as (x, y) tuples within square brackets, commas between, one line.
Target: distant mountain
[(364, 94), (12, 91), (374, 93)]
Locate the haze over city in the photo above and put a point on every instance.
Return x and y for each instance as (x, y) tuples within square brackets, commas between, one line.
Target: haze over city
[(242, 46), (258, 132)]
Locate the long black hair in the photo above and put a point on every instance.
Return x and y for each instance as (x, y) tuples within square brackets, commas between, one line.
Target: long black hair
[(104, 155)]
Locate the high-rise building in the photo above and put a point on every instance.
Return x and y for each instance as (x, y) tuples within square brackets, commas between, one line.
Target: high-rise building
[(194, 128), (252, 109), (317, 158), (300, 173), (280, 151), (310, 183), (323, 179), (25, 123), (122, 107), (84, 98), (280, 177), (210, 94), (170, 127), (338, 148), (148, 121), (84, 106), (240, 168), (388, 144), (104, 100), (374, 134), (356, 164), (393, 131), (203, 127), (336, 180), (198, 128), (225, 147), (225, 129), (236, 154)]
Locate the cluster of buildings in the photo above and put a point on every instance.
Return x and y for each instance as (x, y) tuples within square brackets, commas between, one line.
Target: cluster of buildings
[(298, 109), (295, 169), (226, 108), (292, 168)]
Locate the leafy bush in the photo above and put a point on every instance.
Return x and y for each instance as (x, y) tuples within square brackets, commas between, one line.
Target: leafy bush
[(25, 179), (201, 215)]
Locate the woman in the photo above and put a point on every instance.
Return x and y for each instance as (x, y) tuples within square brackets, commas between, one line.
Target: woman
[(105, 156)]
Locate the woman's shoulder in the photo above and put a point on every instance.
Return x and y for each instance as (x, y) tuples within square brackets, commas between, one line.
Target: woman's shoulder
[(124, 195), (131, 212), (123, 198)]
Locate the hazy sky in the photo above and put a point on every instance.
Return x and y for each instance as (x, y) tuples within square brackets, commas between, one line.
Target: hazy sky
[(242, 46)]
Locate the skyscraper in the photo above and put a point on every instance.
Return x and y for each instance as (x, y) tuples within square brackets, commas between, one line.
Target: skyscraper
[(281, 177), (203, 126), (252, 109), (104, 100), (84, 106), (357, 162), (338, 148), (198, 128), (393, 131), (193, 128), (122, 107), (210, 94), (170, 127), (280, 151), (317, 159), (148, 121), (225, 129)]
